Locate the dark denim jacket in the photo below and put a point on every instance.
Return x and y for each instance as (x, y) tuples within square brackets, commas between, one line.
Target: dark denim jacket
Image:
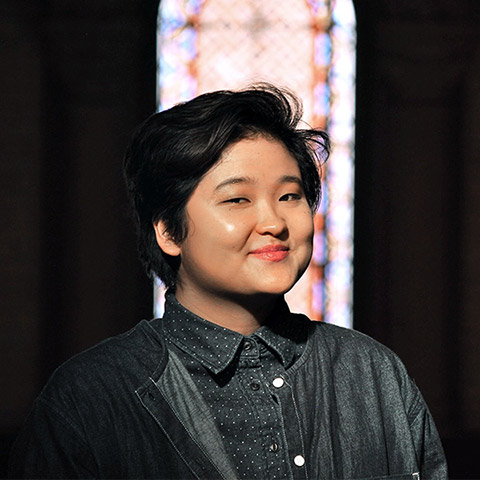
[(128, 409)]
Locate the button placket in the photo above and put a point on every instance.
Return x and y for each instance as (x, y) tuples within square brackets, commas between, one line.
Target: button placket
[(291, 443)]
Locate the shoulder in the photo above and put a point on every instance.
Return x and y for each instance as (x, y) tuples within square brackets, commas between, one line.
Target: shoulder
[(124, 360), (353, 353), (86, 405), (354, 362), (349, 342)]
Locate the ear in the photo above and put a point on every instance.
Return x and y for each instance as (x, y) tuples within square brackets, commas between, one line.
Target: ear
[(165, 241)]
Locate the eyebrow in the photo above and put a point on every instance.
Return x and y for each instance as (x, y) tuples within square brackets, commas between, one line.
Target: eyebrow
[(291, 179), (242, 180), (234, 181)]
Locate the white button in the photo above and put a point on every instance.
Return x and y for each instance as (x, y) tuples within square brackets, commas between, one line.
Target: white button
[(278, 382), (299, 461)]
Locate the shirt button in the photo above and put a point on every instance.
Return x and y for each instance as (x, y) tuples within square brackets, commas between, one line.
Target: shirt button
[(255, 386), (278, 382), (274, 447), (248, 346), (299, 461)]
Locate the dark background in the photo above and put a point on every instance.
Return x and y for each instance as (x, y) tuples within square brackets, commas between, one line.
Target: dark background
[(78, 76)]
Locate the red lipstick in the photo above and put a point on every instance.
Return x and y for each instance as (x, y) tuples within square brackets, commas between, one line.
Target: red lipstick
[(272, 253)]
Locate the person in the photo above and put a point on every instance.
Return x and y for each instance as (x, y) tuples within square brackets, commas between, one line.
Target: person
[(229, 383)]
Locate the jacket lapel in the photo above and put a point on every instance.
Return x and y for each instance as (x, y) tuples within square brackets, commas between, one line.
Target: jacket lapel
[(181, 412)]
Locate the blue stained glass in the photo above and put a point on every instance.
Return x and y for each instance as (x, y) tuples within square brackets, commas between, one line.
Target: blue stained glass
[(318, 7), (322, 209), (322, 97), (319, 295), (320, 252), (322, 49)]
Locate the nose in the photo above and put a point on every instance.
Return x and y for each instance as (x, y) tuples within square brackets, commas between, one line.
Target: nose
[(270, 221)]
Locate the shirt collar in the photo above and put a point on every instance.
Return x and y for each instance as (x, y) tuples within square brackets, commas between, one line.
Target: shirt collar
[(281, 335), (215, 347)]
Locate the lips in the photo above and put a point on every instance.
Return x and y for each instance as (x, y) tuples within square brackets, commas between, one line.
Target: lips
[(272, 253)]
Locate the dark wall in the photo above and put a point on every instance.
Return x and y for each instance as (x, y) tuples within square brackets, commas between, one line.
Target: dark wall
[(78, 76), (417, 224)]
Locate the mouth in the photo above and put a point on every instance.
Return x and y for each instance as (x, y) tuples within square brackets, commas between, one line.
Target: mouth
[(272, 253)]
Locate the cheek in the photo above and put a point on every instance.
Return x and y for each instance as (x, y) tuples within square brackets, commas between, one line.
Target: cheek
[(305, 239), (220, 232), (235, 235), (229, 227), (305, 227)]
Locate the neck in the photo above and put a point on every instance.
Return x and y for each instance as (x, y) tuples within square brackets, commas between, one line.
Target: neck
[(244, 315)]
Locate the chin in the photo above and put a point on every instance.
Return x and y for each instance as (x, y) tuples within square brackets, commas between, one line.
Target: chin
[(278, 288), (282, 284)]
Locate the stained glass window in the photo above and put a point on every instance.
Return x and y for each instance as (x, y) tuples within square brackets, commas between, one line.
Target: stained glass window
[(307, 46)]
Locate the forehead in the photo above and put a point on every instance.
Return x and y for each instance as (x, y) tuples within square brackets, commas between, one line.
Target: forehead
[(260, 157)]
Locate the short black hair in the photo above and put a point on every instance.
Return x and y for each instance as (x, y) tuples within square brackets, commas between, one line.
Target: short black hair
[(172, 150)]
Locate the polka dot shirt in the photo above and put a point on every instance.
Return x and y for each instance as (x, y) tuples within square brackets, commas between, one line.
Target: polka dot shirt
[(237, 376)]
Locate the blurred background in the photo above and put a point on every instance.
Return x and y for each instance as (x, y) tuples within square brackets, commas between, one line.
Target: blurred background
[(79, 76)]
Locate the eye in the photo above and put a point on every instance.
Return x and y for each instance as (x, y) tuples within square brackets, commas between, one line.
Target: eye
[(288, 197), (236, 200)]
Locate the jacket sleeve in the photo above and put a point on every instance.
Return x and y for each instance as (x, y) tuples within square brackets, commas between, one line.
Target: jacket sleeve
[(429, 450), (49, 447)]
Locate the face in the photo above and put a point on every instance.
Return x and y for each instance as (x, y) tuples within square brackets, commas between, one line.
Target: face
[(250, 227)]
